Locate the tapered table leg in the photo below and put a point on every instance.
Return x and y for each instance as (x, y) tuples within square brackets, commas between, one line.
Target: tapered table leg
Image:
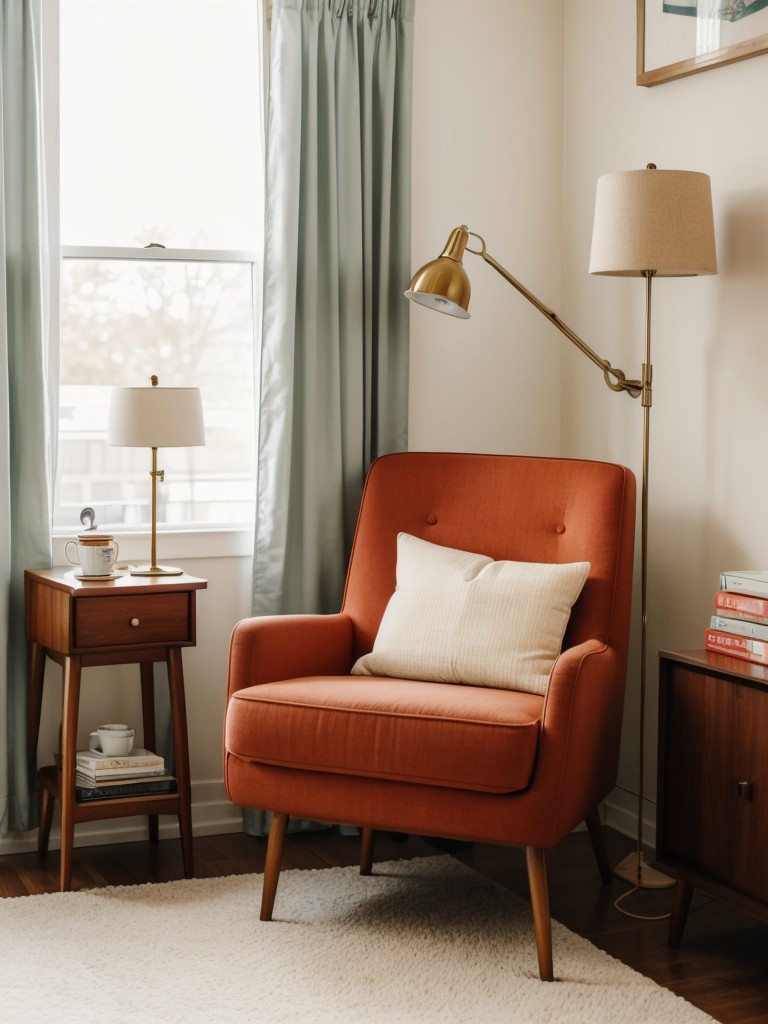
[(46, 817), (146, 670), (181, 755), (70, 702), (36, 677), (680, 906)]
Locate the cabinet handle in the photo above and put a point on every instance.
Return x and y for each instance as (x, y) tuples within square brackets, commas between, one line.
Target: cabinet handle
[(134, 622), (744, 789)]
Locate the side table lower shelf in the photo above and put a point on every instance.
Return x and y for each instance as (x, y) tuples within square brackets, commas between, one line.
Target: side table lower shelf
[(98, 810)]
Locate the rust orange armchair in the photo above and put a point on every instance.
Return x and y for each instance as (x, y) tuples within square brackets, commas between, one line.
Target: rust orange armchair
[(322, 723)]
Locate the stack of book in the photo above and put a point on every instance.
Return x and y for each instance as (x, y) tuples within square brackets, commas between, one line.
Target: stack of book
[(102, 777), (739, 626)]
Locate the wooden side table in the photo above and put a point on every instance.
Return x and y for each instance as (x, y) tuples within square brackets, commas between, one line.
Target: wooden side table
[(712, 812), (127, 620)]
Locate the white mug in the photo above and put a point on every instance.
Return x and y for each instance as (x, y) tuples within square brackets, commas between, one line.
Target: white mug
[(95, 554), (115, 740)]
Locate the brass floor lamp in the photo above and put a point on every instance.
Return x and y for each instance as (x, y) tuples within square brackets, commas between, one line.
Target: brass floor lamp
[(648, 223)]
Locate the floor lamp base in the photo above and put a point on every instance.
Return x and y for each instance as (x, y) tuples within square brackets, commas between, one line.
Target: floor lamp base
[(646, 878)]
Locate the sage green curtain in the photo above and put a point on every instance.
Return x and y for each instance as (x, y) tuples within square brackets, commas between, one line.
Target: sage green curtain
[(28, 382), (334, 355)]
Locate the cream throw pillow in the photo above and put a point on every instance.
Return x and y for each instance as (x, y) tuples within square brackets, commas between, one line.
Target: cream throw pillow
[(458, 617)]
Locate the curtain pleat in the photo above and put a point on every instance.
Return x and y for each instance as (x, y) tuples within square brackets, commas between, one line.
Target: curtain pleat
[(334, 355), (28, 385), (334, 361)]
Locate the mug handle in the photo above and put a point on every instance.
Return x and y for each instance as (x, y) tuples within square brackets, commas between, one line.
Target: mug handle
[(72, 561), (94, 742), (117, 551)]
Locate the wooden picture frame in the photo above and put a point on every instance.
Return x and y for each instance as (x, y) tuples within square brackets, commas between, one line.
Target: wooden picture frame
[(740, 46)]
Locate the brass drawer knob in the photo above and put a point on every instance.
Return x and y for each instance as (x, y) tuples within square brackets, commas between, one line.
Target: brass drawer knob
[(135, 622)]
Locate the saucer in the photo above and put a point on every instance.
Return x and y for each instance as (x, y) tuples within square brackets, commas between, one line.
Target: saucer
[(102, 577)]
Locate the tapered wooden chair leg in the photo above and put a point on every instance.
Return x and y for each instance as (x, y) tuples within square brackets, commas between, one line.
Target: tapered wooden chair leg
[(275, 846), (366, 851), (595, 827), (542, 922)]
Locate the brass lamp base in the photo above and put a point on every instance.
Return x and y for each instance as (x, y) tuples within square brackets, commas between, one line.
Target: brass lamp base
[(154, 570), (644, 878)]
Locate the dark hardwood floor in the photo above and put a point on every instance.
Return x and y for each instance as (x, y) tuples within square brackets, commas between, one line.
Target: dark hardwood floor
[(722, 965)]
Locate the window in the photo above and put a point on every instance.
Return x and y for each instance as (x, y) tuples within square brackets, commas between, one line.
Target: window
[(161, 194)]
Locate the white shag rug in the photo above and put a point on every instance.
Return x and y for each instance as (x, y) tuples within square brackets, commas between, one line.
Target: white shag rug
[(426, 941)]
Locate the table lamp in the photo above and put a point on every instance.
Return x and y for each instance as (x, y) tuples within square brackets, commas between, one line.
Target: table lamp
[(155, 417), (647, 223)]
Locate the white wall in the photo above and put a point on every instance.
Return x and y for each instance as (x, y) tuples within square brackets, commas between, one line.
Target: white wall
[(540, 83), (487, 152)]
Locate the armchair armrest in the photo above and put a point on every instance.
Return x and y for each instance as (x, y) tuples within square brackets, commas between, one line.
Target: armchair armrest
[(581, 727), (266, 648), (590, 660)]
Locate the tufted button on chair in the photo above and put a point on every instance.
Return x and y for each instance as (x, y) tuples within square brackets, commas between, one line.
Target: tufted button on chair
[(429, 719)]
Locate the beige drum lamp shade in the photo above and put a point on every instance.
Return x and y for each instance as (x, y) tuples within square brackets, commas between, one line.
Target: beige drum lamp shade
[(653, 221)]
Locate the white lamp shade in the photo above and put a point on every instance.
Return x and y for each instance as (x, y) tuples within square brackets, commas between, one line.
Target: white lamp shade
[(155, 418), (653, 220)]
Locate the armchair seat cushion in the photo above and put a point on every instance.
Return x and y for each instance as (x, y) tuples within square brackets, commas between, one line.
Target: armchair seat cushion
[(437, 734)]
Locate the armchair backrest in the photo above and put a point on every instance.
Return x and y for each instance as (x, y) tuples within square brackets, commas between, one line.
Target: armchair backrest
[(519, 508)]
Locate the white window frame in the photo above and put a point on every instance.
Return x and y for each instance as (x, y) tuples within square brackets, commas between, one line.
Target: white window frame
[(212, 542), (224, 539)]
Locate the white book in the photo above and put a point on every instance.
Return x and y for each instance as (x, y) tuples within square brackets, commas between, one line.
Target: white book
[(94, 761), (98, 782), (746, 582), (740, 627), (119, 774)]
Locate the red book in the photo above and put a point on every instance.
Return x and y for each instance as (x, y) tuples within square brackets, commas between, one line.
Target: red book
[(742, 606), (736, 646)]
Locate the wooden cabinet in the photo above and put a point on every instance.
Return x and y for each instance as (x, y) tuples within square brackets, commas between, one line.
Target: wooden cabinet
[(712, 814), (127, 620)]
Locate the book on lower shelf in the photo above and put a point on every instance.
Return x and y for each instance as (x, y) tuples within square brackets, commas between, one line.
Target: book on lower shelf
[(149, 786), (736, 646), (87, 781), (90, 764)]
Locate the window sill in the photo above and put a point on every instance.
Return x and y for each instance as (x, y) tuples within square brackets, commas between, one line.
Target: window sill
[(218, 542)]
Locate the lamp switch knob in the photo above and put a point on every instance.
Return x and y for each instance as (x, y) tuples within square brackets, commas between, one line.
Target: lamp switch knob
[(134, 622)]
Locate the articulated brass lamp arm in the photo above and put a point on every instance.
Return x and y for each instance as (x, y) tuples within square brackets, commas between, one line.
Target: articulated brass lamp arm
[(615, 379)]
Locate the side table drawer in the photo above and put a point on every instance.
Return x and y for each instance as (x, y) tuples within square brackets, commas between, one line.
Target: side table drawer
[(125, 621)]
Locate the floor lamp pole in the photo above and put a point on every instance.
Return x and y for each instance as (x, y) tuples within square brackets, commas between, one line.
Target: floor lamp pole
[(635, 868), (647, 400)]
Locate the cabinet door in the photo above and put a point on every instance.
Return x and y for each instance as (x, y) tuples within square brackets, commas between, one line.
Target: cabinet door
[(748, 777), (715, 777)]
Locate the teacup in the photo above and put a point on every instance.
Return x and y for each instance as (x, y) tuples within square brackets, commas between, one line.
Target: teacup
[(115, 740), (96, 553)]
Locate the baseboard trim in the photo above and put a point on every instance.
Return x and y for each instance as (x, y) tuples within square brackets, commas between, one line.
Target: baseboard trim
[(212, 814), (620, 813)]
